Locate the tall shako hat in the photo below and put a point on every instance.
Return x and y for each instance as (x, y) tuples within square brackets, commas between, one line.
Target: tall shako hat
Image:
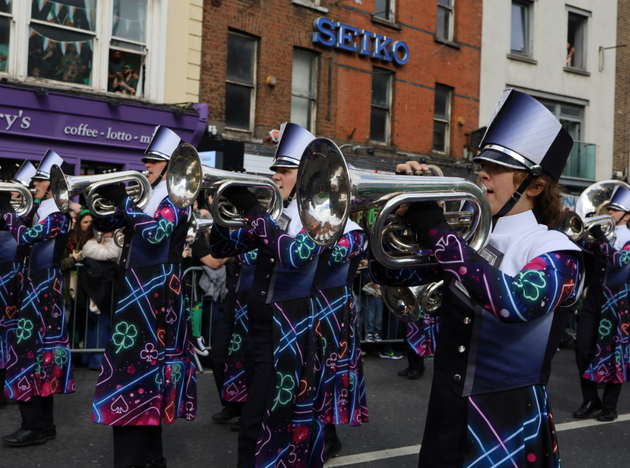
[(524, 135), (620, 199), (43, 170), (162, 145), (25, 173), (291, 145)]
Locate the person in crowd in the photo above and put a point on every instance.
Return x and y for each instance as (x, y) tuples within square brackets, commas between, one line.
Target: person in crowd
[(602, 332), (39, 365), (75, 301), (373, 309), (115, 69), (147, 373), (97, 281), (498, 326), (276, 422), (128, 83), (341, 394), (70, 58), (50, 60), (11, 269)]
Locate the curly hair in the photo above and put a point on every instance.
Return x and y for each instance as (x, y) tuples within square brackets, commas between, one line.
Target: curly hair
[(548, 204)]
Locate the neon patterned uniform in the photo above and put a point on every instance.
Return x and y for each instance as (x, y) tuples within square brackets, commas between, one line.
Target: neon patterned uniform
[(277, 418), (234, 384), (39, 361), (498, 333), (610, 360), (341, 396), (147, 372)]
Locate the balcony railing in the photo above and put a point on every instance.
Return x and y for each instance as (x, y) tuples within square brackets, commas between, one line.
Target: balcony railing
[(581, 161)]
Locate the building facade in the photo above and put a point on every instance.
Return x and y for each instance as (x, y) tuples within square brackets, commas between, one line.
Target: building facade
[(384, 79), (91, 79), (621, 151), (564, 55)]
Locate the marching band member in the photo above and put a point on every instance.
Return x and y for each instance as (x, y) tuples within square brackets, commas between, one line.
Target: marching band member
[(341, 396), (39, 363), (11, 279), (498, 327), (147, 372), (602, 332), (276, 422)]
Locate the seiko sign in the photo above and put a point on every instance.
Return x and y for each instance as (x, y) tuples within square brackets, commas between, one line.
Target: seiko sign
[(351, 39)]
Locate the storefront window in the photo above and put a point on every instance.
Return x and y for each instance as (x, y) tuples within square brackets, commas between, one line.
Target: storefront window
[(5, 33), (61, 40)]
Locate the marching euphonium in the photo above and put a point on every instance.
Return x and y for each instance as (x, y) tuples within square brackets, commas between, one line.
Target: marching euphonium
[(187, 176), (197, 225), (22, 204), (64, 187), (592, 207), (410, 303), (327, 191)]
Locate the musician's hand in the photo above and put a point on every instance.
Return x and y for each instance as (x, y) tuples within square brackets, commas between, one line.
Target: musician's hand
[(116, 193), (5, 201), (425, 215), (596, 232), (413, 168), (241, 198)]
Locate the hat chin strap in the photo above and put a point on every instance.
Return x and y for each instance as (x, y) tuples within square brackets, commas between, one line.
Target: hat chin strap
[(288, 201), (159, 179), (516, 196)]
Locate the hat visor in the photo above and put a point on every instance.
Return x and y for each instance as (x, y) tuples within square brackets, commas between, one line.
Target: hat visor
[(618, 207), (284, 161), (501, 159), (153, 158)]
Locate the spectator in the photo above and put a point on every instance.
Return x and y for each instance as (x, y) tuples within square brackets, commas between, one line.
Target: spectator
[(50, 60), (570, 53), (4, 49), (115, 69), (128, 83), (70, 58), (373, 307)]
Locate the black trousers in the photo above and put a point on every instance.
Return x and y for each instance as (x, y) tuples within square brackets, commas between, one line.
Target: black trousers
[(137, 445), (37, 413), (585, 348), (221, 346), (414, 361), (3, 374), (261, 380)]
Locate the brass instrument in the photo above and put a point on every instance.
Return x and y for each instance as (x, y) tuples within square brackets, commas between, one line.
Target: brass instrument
[(64, 187), (22, 204), (410, 303), (592, 207), (198, 225), (186, 177), (327, 191), (119, 236)]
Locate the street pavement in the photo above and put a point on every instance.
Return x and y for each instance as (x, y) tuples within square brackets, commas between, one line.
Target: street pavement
[(397, 408)]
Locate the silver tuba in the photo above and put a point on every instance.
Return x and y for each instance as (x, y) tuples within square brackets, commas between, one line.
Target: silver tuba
[(22, 204), (592, 207), (64, 187), (409, 304), (187, 176), (327, 191)]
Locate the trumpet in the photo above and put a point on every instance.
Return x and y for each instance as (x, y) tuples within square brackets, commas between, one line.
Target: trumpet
[(186, 177), (410, 303), (327, 191), (22, 204), (64, 187)]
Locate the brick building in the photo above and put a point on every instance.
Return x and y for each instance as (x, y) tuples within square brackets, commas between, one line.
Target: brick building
[(397, 77), (621, 145)]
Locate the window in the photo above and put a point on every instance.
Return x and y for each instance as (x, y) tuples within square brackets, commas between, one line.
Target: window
[(381, 105), (384, 9), (303, 89), (442, 119), (445, 20), (576, 41), (241, 82), (519, 43), (5, 33), (83, 43)]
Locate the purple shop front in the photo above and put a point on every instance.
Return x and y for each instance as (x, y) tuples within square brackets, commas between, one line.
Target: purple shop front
[(87, 129)]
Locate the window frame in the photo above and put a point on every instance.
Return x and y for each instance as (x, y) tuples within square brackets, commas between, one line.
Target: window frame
[(312, 98), (450, 9), (441, 120), (584, 15), (527, 6), (387, 107), (154, 49), (391, 12), (253, 86)]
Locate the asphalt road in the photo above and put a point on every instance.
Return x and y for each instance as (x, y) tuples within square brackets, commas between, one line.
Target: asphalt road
[(397, 409)]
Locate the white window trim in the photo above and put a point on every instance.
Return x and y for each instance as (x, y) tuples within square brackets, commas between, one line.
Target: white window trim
[(254, 87), (451, 22), (447, 121), (587, 16), (312, 99), (530, 19), (391, 17), (388, 124), (155, 49)]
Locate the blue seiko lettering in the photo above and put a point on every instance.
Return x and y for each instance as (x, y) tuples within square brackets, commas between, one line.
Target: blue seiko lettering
[(380, 48), (366, 37), (345, 37), (325, 32), (402, 47)]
